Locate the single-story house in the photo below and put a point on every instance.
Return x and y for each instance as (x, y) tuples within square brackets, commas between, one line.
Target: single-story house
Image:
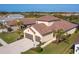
[(42, 31), (15, 16), (26, 22), (10, 17)]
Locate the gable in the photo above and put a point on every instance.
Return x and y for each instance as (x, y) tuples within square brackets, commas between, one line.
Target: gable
[(28, 30), (32, 31)]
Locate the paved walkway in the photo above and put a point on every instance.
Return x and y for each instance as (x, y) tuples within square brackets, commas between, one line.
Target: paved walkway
[(17, 47), (3, 42)]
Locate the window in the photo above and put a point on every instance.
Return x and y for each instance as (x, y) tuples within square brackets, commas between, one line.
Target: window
[(29, 36), (37, 38)]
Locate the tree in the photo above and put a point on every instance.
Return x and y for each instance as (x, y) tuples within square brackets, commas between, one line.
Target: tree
[(19, 32), (19, 23), (2, 26), (59, 35)]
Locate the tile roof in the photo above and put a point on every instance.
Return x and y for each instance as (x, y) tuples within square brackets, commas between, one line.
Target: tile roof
[(62, 24), (12, 23), (28, 21), (48, 18), (42, 28), (25, 21)]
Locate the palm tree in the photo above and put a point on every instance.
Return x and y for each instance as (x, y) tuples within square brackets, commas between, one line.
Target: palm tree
[(59, 35), (19, 23)]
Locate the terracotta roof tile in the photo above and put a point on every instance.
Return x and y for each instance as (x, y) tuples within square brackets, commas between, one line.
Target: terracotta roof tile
[(48, 18), (25, 21), (42, 28), (12, 23), (62, 24)]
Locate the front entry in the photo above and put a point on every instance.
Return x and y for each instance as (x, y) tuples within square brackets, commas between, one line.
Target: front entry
[(37, 38)]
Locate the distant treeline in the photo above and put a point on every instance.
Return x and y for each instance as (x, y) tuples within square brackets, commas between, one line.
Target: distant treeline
[(3, 12)]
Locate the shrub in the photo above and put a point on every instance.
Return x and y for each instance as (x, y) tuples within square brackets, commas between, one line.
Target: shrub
[(38, 49)]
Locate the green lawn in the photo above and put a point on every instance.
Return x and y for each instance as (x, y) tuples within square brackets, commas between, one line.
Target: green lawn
[(53, 48), (9, 37)]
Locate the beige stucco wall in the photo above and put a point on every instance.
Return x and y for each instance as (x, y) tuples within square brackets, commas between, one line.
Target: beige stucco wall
[(46, 23), (71, 31), (34, 34), (47, 38), (48, 42)]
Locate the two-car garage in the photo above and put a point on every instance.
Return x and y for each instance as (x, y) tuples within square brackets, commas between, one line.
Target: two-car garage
[(30, 36)]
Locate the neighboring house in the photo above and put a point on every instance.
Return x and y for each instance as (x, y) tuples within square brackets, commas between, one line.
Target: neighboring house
[(15, 16), (26, 22), (12, 24), (3, 30), (42, 31), (10, 17)]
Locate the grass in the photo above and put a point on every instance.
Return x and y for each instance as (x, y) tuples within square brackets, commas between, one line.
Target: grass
[(53, 48), (9, 37)]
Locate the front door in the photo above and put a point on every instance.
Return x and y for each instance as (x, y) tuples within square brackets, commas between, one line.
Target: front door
[(37, 38)]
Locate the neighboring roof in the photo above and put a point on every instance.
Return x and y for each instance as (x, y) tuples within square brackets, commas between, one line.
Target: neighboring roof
[(26, 21), (6, 19), (12, 23), (10, 17), (48, 18), (62, 24), (15, 15)]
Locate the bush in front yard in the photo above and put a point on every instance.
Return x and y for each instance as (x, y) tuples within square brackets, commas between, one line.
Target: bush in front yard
[(38, 49)]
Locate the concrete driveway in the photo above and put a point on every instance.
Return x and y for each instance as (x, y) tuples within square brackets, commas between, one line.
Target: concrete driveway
[(17, 47)]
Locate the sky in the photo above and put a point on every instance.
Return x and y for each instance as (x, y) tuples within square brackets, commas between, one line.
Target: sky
[(39, 7)]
